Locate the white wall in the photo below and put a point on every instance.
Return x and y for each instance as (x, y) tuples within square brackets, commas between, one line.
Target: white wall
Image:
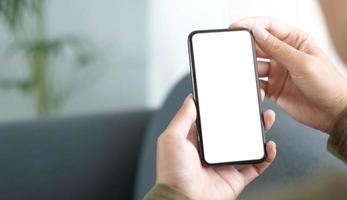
[(171, 21), (116, 82), (142, 47), (118, 28)]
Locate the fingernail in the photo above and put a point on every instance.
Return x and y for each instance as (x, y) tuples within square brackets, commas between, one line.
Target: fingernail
[(260, 32), (187, 98)]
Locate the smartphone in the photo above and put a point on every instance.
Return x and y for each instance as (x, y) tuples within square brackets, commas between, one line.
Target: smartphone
[(226, 93)]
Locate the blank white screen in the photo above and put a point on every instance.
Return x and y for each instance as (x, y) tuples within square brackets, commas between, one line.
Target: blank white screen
[(228, 98)]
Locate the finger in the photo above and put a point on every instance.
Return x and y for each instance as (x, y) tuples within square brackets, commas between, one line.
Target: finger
[(260, 53), (287, 55), (263, 69), (263, 85), (262, 94), (250, 172), (183, 119), (289, 34), (278, 29), (193, 136), (275, 27), (269, 119)]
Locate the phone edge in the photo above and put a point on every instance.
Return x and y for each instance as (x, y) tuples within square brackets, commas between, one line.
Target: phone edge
[(196, 98)]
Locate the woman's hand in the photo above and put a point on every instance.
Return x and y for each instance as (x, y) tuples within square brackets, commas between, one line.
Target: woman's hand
[(178, 161), (301, 78)]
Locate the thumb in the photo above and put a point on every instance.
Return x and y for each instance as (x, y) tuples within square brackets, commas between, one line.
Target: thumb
[(184, 118), (282, 52)]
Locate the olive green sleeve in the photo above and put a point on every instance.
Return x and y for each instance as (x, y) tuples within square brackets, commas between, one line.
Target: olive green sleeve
[(162, 191), (337, 142)]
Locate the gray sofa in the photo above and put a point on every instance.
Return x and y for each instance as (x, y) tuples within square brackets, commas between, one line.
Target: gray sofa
[(113, 156), (93, 157)]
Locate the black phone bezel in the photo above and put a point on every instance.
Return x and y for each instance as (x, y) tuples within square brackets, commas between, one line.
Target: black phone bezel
[(196, 99)]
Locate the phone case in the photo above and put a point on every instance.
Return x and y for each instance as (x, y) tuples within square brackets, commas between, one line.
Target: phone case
[(196, 99)]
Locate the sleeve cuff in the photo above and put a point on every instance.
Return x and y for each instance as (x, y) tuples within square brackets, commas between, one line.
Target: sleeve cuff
[(162, 191), (337, 142)]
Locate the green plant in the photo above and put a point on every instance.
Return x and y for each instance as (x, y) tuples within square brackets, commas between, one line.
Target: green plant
[(25, 20)]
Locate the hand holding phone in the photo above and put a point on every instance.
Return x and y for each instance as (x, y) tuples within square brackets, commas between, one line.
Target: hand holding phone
[(179, 165)]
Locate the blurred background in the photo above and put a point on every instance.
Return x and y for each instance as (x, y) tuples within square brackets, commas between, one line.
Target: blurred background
[(82, 57), (82, 84)]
